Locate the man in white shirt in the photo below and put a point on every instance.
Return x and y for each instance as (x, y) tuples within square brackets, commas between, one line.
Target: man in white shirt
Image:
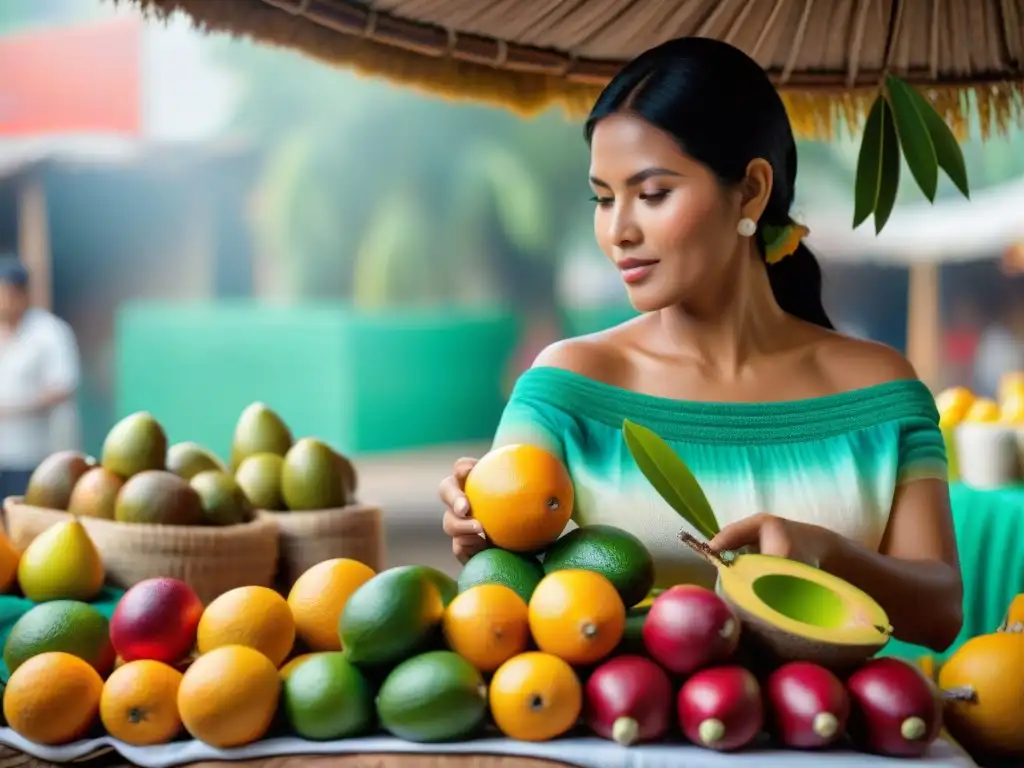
[(39, 374)]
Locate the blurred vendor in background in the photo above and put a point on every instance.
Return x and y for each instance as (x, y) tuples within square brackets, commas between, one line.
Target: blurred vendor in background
[(39, 373)]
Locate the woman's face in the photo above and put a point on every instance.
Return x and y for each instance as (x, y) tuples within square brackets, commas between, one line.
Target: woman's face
[(662, 218)]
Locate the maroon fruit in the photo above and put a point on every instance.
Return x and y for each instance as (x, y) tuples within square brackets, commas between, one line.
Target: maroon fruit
[(628, 700), (720, 708), (808, 705), (895, 709), (156, 619), (689, 627)]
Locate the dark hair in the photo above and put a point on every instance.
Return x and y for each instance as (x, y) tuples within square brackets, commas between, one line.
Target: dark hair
[(12, 271), (720, 106)]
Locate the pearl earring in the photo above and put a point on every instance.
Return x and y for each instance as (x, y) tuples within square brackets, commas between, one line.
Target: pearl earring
[(746, 227)]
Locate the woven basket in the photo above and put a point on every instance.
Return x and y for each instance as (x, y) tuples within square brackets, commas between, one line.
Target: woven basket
[(308, 538), (212, 560)]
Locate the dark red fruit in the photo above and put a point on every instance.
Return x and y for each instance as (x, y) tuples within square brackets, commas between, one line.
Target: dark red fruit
[(895, 709), (808, 705), (688, 628), (156, 619), (629, 700), (720, 708)]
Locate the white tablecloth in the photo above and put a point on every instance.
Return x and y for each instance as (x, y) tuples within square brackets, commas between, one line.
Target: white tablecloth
[(586, 752)]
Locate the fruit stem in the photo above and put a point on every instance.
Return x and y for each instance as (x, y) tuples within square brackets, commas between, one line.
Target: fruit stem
[(723, 558), (825, 725), (536, 703), (710, 731), (588, 629), (626, 731), (961, 693), (913, 728)]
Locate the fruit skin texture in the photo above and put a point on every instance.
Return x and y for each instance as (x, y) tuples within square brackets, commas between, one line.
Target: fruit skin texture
[(629, 699), (256, 617), (436, 696), (69, 626), (53, 698), (487, 625), (156, 619), (808, 704), (522, 496), (9, 558), (229, 696), (259, 430), (390, 616), (61, 563), (318, 596), (521, 573), (535, 697), (188, 459), (223, 500), (259, 476), (313, 477), (689, 628), (991, 666), (616, 554), (895, 709), (720, 708), (135, 444), (139, 704), (158, 498), (327, 697), (95, 494), (53, 481), (577, 615)]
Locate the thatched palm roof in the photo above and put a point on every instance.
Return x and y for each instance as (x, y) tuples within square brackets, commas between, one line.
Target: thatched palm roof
[(823, 55)]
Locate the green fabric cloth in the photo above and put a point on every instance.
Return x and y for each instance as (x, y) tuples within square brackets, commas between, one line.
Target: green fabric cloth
[(13, 607), (990, 535)]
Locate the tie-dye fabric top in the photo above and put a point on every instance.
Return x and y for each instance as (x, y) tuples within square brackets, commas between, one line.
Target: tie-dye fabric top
[(833, 461)]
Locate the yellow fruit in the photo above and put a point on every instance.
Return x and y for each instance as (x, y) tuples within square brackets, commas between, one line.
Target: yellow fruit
[(522, 496), (577, 615), (952, 405), (982, 680), (535, 697), (1011, 409), (229, 696), (982, 411), (139, 705), (487, 625), (1010, 384), (318, 597), (61, 563), (53, 698), (256, 617)]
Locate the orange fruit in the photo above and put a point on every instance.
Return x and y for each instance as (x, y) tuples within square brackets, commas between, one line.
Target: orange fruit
[(292, 664), (318, 597), (139, 705), (522, 496), (487, 625), (9, 559), (229, 696), (256, 617), (577, 615), (535, 697), (53, 698)]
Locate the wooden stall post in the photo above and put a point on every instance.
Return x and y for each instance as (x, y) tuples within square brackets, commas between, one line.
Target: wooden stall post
[(34, 240), (924, 322)]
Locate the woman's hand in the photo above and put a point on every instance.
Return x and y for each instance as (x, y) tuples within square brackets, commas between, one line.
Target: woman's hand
[(466, 533), (777, 536)]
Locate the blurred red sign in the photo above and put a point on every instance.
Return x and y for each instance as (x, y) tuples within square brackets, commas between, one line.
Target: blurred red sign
[(84, 79)]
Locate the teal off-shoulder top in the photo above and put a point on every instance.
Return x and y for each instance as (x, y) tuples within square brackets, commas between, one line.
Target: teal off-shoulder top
[(834, 461)]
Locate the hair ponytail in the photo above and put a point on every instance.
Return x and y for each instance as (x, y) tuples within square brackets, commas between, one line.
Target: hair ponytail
[(796, 284)]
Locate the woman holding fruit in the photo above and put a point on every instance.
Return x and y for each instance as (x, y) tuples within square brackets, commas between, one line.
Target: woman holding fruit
[(809, 445)]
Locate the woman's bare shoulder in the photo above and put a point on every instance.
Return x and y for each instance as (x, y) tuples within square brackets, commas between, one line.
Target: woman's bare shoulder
[(601, 356), (852, 363)]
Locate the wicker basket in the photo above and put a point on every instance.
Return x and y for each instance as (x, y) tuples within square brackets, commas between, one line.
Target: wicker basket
[(211, 560), (308, 538)]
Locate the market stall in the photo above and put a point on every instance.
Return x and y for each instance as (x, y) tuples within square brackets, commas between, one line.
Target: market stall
[(433, 703)]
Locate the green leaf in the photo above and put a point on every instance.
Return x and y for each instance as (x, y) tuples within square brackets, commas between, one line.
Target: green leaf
[(915, 139), (869, 165), (670, 477), (889, 179), (947, 149)]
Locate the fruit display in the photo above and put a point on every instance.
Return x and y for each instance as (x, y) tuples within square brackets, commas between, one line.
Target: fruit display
[(140, 478)]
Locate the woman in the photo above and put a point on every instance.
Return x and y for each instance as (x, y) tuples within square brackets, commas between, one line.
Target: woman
[(809, 445)]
